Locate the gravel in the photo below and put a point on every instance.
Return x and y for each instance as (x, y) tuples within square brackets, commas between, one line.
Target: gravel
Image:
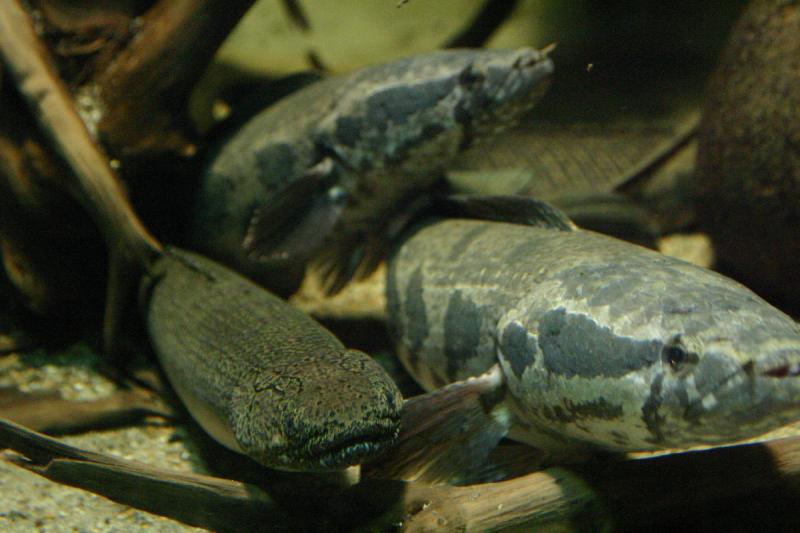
[(33, 503)]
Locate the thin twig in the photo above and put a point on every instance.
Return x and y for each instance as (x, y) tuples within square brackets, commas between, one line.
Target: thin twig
[(50, 413), (296, 14), (630, 494)]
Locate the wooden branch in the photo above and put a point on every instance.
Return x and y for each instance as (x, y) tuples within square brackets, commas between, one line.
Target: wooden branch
[(35, 276), (144, 92), (671, 492), (16, 340), (148, 82), (554, 498), (446, 434), (296, 14), (73, 19), (685, 133), (28, 62), (195, 499), (227, 505), (84, 36), (48, 412), (481, 28), (46, 239)]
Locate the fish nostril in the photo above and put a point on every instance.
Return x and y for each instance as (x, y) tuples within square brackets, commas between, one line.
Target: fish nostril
[(749, 368)]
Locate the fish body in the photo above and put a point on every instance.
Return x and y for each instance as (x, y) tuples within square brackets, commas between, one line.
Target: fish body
[(601, 343), (327, 168), (261, 376)]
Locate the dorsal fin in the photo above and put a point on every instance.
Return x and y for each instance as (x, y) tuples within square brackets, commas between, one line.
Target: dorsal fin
[(511, 209)]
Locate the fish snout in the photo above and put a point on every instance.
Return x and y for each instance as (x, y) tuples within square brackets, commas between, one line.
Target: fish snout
[(532, 65), (357, 416), (530, 57), (760, 396), (338, 412)]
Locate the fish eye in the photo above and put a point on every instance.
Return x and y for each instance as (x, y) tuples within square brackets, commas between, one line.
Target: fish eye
[(677, 356)]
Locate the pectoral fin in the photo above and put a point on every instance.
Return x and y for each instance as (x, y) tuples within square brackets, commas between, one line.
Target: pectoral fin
[(448, 433), (511, 209), (297, 221), (344, 260)]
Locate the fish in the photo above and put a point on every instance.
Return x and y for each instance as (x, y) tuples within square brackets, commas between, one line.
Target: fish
[(260, 376), (624, 176), (594, 343), (330, 174)]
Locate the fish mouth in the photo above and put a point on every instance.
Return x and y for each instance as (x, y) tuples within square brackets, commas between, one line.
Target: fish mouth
[(524, 62), (527, 80), (352, 452), (783, 362), (354, 447), (535, 64)]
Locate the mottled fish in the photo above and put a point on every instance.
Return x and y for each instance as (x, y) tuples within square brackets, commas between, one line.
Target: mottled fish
[(329, 172), (600, 343), (259, 375)]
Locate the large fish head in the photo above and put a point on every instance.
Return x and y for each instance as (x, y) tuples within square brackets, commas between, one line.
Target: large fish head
[(730, 371), (425, 109), (642, 351), (347, 413), (499, 87)]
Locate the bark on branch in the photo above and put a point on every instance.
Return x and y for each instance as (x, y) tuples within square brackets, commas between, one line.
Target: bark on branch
[(144, 91), (29, 64), (134, 75)]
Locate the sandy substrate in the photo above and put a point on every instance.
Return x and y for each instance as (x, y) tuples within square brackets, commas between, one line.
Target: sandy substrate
[(32, 503)]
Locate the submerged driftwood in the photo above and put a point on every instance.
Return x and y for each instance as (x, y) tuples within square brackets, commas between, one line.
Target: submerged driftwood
[(48, 412), (141, 87), (130, 73), (661, 492), (747, 185)]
